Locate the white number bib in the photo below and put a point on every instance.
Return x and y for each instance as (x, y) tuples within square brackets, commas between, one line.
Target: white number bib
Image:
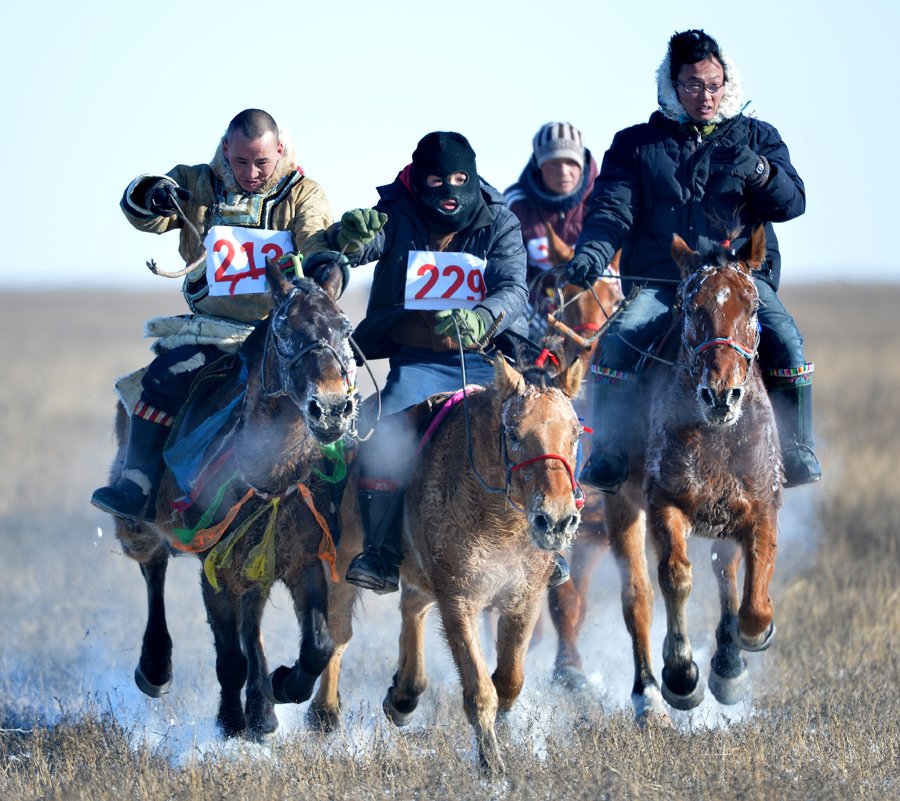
[(537, 253), (436, 281), (236, 258)]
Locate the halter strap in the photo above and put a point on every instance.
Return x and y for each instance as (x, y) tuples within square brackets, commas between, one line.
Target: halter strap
[(731, 343)]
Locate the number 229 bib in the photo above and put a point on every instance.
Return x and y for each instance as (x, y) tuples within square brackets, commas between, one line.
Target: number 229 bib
[(236, 258), (436, 281)]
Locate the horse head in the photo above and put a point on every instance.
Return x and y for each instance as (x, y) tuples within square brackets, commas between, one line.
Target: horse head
[(539, 431), (307, 354), (720, 332)]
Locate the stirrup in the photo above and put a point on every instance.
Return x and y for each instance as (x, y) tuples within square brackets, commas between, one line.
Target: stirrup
[(371, 571)]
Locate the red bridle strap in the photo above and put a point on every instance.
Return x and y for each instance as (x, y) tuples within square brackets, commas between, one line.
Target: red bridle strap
[(542, 458), (731, 343), (586, 327)]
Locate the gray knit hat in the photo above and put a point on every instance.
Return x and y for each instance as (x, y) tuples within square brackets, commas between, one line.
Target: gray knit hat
[(558, 140)]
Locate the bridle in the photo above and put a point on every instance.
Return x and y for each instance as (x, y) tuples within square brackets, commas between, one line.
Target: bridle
[(510, 468), (285, 363)]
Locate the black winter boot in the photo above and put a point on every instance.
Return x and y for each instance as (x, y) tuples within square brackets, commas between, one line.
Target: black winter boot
[(613, 419), (133, 496), (560, 573), (791, 398), (377, 568)]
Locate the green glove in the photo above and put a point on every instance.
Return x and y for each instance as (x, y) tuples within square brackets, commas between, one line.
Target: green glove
[(361, 224), (471, 325)]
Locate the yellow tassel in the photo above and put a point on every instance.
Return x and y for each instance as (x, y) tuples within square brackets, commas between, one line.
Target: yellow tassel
[(221, 555), (260, 564)]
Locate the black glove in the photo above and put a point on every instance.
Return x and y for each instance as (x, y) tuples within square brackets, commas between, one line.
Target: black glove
[(161, 198), (743, 163), (582, 270), (315, 264)]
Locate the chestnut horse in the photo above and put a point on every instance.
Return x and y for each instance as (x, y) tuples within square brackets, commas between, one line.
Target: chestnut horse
[(480, 526), (267, 525), (583, 317), (707, 463)]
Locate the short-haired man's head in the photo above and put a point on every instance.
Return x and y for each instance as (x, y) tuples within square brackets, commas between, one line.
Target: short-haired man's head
[(253, 123), (252, 149), (689, 47)]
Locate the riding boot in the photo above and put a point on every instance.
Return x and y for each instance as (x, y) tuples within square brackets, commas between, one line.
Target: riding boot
[(613, 420), (560, 573), (790, 391), (377, 568), (133, 496)]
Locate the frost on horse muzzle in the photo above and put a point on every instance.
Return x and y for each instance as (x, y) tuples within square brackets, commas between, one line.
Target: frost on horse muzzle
[(721, 378), (553, 515)]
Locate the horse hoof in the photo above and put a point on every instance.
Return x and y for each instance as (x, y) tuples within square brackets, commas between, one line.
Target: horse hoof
[(570, 679), (394, 715), (729, 690), (147, 687), (649, 709), (273, 686), (686, 701), (759, 643), (321, 718)]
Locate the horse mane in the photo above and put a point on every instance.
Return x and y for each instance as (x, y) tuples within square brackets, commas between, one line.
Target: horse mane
[(537, 369)]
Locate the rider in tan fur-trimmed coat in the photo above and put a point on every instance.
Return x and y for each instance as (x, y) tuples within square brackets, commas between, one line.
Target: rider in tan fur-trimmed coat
[(253, 181), (287, 201)]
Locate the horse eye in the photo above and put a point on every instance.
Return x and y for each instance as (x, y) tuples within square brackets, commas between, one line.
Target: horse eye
[(513, 437)]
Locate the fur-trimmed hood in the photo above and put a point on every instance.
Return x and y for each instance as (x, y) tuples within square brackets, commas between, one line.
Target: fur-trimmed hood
[(670, 105), (286, 164)]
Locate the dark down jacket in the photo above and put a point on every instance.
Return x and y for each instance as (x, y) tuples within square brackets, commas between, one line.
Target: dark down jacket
[(657, 180)]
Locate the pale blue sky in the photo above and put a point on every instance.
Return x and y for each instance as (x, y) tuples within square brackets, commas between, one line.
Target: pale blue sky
[(99, 92)]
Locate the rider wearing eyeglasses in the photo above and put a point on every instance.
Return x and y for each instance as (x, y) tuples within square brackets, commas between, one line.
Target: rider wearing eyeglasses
[(701, 169)]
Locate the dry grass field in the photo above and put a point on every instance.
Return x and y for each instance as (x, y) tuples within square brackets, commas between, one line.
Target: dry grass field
[(823, 723)]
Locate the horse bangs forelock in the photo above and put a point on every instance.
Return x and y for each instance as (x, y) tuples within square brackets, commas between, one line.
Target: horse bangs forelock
[(542, 368)]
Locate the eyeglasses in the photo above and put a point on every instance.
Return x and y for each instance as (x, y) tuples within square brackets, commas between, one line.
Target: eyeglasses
[(694, 87)]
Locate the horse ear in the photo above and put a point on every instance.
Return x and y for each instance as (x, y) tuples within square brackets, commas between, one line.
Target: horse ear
[(753, 251), (278, 284), (684, 257), (558, 252), (332, 280), (508, 381), (570, 380)]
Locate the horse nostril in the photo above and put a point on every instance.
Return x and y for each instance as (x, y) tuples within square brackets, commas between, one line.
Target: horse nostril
[(541, 523), (315, 411), (708, 396), (348, 408), (734, 397)]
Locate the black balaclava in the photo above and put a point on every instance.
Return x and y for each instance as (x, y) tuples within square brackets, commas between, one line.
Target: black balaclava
[(443, 153)]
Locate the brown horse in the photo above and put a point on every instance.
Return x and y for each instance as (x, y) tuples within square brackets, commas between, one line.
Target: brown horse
[(706, 463), (268, 525), (583, 317), (471, 546)]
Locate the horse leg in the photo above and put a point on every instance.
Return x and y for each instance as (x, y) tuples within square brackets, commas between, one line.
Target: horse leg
[(681, 679), (753, 629), (309, 592), (480, 699), (728, 677), (223, 613), (325, 708), (153, 674), (568, 609), (409, 680), (627, 535), (259, 711), (513, 634)]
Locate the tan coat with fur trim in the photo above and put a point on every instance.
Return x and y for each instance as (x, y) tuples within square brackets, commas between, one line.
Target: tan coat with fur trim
[(288, 201)]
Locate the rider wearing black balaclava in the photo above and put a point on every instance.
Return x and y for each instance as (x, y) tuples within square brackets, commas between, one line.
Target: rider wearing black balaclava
[(444, 153)]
